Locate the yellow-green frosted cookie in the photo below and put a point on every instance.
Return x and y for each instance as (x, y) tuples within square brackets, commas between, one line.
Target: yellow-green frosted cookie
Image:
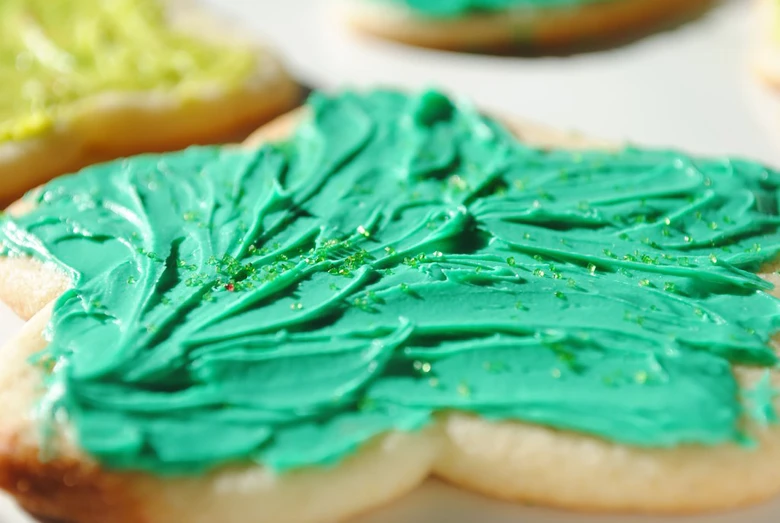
[(88, 80), (507, 24)]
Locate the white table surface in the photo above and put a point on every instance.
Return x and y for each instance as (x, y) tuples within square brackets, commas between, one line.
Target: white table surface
[(690, 88)]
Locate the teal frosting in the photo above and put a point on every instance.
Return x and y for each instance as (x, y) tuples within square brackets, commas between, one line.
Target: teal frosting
[(399, 256), (455, 8)]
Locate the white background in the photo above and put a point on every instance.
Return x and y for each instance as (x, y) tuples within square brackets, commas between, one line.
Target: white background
[(689, 88)]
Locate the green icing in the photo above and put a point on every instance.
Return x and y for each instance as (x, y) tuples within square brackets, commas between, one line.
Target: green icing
[(455, 8), (54, 54), (397, 257), (760, 401)]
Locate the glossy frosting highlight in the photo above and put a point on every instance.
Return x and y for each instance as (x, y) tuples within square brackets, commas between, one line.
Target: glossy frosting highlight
[(56, 54), (399, 256)]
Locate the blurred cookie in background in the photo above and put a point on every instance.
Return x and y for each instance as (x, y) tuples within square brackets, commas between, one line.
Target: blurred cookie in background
[(90, 80), (768, 49), (506, 25)]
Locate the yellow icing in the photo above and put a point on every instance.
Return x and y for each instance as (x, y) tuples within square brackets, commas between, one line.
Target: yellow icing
[(55, 53)]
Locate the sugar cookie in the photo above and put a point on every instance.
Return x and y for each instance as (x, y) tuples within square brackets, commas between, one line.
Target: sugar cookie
[(768, 45), (90, 80), (505, 24), (399, 287)]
